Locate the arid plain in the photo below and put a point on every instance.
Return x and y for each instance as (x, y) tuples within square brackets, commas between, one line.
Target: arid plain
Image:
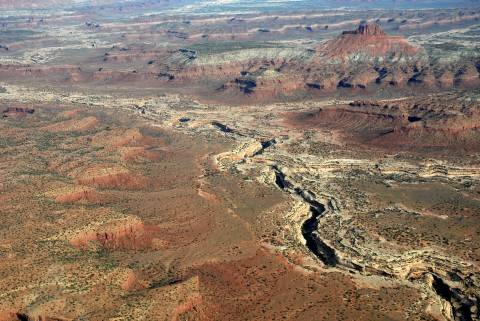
[(165, 160)]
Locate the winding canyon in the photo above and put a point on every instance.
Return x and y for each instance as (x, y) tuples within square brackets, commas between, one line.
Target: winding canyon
[(210, 160)]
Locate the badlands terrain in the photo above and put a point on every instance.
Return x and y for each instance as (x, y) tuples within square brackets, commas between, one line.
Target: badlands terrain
[(239, 160)]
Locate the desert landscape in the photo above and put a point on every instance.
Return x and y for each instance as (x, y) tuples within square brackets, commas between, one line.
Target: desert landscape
[(239, 160)]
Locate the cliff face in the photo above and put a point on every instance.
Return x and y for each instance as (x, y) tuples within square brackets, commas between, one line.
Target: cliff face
[(434, 125), (363, 59), (370, 41), (368, 30)]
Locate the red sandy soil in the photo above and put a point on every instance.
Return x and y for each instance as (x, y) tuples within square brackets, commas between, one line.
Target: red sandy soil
[(168, 252), (127, 236), (112, 178), (84, 124), (267, 287), (87, 196), (139, 153)]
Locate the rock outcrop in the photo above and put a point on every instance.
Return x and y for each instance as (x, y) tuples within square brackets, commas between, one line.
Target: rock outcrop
[(369, 40)]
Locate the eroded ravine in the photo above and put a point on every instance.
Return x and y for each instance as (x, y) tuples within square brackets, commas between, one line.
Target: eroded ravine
[(309, 228), (463, 304), (459, 303), (463, 307), (260, 149)]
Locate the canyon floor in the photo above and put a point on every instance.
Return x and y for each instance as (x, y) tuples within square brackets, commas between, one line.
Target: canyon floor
[(159, 163)]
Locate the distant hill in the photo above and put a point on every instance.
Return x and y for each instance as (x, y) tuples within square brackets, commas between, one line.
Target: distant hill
[(246, 5)]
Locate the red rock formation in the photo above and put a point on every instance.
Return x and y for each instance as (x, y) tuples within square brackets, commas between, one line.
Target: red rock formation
[(87, 196), (409, 125), (368, 39), (18, 112), (356, 59), (130, 236), (368, 30), (121, 181), (364, 58)]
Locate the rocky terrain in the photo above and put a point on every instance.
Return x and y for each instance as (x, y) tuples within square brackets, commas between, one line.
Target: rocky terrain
[(426, 125), (163, 163), (264, 58)]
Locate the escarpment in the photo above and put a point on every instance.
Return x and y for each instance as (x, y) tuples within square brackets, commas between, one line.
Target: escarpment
[(356, 62)]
